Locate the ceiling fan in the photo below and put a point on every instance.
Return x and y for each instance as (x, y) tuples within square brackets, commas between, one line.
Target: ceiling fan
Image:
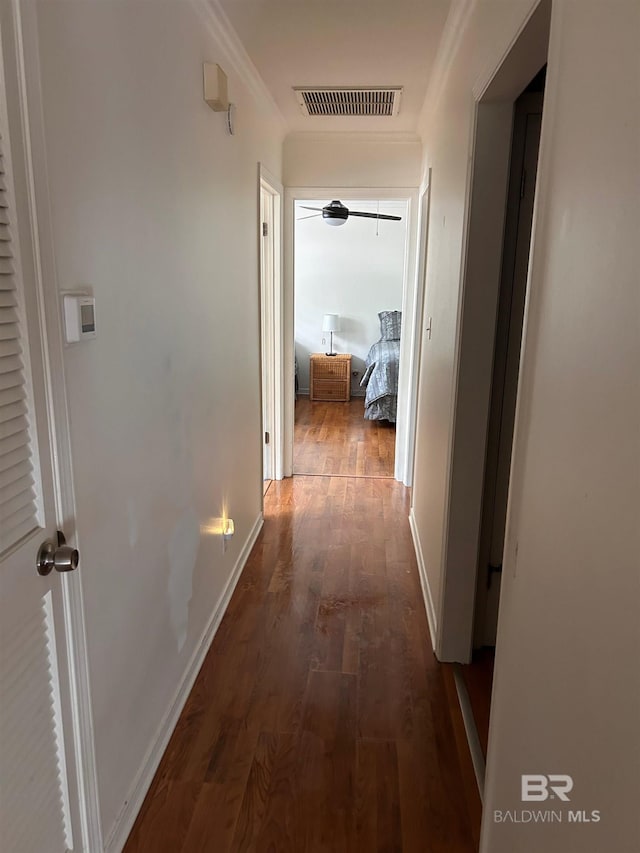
[(336, 213)]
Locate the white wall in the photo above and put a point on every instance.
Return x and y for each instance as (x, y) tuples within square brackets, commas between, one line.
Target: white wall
[(566, 694), (352, 160), (355, 270), (155, 209)]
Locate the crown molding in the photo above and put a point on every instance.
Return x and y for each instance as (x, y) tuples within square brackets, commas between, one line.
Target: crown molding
[(221, 29), (454, 29), (361, 137)]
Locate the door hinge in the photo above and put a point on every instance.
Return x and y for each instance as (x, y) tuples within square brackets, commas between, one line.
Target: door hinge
[(265, 229), (266, 438)]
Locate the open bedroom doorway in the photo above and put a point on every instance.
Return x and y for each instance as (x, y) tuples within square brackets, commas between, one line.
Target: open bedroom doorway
[(349, 291)]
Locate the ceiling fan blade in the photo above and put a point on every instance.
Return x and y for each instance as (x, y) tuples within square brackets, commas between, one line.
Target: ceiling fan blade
[(313, 216), (304, 207), (375, 215)]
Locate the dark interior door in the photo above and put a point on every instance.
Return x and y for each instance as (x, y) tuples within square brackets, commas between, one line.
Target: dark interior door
[(515, 265)]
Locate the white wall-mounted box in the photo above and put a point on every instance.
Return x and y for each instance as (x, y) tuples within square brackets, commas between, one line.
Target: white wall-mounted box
[(79, 317), (215, 87)]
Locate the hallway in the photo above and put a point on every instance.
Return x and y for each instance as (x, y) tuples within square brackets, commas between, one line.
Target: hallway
[(184, 689), (320, 720)]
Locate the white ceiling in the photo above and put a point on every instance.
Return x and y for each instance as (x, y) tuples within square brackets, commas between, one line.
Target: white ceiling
[(341, 43)]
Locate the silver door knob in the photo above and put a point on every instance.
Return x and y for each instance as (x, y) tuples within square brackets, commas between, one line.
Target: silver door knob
[(56, 555)]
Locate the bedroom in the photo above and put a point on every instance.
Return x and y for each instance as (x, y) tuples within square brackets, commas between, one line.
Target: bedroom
[(344, 278)]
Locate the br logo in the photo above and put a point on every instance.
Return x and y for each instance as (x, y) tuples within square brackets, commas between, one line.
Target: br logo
[(537, 787)]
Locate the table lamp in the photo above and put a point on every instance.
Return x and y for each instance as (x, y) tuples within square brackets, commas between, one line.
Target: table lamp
[(331, 324)]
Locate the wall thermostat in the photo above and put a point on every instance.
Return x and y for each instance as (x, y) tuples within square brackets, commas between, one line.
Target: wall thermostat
[(79, 317)]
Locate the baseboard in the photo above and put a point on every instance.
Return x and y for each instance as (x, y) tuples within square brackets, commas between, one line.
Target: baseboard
[(470, 791), (120, 831), (471, 730), (424, 580), (304, 392)]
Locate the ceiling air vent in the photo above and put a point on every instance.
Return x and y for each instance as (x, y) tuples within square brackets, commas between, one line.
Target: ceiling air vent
[(349, 101)]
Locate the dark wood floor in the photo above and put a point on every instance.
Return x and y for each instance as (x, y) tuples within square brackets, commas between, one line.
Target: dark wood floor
[(334, 438), (320, 720)]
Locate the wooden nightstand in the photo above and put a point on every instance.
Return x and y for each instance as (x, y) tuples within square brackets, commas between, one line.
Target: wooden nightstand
[(330, 377)]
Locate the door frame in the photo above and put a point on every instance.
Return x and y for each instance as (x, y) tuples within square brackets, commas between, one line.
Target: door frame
[(485, 210), (271, 319), (411, 321), (419, 306), (49, 304), (512, 291)]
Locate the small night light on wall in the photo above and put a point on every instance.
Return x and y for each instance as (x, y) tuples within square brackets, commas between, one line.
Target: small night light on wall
[(215, 92), (227, 529), (222, 527)]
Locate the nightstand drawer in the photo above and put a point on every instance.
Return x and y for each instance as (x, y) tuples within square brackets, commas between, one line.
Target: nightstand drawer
[(331, 368), (329, 389)]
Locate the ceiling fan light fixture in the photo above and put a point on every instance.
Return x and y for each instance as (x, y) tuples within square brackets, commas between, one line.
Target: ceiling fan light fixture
[(335, 213)]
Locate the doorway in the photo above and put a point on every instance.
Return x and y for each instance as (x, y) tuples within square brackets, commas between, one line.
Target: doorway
[(476, 678), (506, 362), (348, 286), (488, 184), (329, 292)]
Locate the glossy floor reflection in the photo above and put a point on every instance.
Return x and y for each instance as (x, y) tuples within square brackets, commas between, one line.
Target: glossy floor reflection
[(320, 720)]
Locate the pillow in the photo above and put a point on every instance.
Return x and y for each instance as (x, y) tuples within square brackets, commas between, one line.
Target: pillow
[(390, 322)]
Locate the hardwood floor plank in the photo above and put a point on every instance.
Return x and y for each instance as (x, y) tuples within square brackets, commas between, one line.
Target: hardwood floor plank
[(214, 820), (281, 827), (165, 818), (329, 750), (378, 822), (250, 826)]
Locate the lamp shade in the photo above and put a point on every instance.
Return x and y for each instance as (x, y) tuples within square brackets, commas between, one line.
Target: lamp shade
[(331, 323)]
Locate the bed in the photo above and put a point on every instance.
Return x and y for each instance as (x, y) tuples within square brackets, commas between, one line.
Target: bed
[(381, 370)]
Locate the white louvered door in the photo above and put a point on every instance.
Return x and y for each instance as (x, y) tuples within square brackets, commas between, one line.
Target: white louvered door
[(37, 771)]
